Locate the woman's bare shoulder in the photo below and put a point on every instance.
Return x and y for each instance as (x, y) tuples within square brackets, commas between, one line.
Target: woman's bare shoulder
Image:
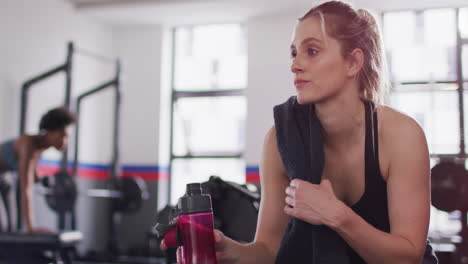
[(394, 122), (271, 158), (270, 136), (270, 147), (398, 129)]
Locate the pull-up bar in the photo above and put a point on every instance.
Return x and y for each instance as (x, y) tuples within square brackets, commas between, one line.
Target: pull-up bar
[(66, 68), (95, 56), (114, 83)]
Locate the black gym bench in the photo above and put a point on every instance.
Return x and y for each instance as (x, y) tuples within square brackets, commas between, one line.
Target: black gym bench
[(27, 248)]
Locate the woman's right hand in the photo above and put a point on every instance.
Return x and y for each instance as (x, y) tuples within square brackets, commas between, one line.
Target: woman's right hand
[(227, 250)]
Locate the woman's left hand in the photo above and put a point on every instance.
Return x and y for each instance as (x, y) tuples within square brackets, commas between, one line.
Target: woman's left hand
[(316, 204)]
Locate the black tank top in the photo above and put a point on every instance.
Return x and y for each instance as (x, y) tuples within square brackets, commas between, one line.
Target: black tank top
[(372, 206), (304, 243)]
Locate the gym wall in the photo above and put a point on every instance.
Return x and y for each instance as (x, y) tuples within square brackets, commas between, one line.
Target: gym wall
[(270, 81), (3, 52), (139, 48)]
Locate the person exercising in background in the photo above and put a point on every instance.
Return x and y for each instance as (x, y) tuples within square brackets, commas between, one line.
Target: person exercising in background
[(22, 154)]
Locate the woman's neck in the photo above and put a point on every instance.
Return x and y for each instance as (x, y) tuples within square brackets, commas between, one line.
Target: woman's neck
[(342, 121)]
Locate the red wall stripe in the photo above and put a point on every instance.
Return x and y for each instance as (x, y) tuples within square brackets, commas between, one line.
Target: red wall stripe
[(99, 172), (253, 177)]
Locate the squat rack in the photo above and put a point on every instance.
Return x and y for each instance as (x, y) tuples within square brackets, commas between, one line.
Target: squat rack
[(67, 221)]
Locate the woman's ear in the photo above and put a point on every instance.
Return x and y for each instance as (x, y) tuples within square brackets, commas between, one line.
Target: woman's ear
[(355, 62)]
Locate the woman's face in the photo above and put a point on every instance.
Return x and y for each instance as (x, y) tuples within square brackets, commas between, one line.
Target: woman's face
[(317, 63), (59, 138)]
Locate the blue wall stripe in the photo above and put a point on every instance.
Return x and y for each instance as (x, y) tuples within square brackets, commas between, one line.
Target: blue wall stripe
[(252, 169), (147, 168)]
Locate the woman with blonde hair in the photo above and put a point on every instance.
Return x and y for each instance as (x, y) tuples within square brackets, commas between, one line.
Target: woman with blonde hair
[(344, 178)]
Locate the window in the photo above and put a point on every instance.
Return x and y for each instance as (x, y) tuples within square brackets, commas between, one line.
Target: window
[(463, 23), (421, 45), (435, 107), (210, 57), (423, 50), (208, 105)]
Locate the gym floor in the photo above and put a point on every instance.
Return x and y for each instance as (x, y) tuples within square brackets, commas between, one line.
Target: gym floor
[(135, 261)]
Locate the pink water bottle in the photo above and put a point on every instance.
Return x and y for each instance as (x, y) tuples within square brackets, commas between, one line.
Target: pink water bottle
[(192, 228)]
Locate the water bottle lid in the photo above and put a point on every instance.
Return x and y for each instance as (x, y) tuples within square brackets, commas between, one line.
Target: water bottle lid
[(194, 201), (194, 189)]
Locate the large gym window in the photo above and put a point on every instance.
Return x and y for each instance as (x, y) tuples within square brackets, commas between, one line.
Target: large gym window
[(208, 105), (428, 65)]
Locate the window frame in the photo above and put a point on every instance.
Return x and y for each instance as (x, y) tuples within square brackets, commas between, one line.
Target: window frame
[(179, 94), (460, 80)]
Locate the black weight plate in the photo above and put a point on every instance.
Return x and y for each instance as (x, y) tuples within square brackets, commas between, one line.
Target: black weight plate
[(62, 192), (134, 192), (448, 185)]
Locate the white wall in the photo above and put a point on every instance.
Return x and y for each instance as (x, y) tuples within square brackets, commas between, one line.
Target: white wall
[(270, 81), (164, 113), (139, 48), (3, 30)]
